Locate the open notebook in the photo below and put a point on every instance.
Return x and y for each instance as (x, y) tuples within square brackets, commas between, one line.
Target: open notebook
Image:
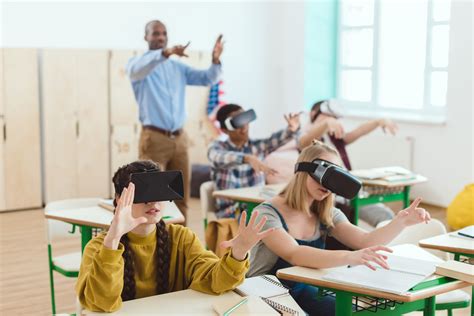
[(390, 174), (404, 274)]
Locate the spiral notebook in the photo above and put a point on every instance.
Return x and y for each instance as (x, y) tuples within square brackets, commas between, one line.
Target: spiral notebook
[(282, 309), (264, 286)]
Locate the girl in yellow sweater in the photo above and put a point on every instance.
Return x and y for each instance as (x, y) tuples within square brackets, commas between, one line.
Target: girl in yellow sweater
[(140, 256)]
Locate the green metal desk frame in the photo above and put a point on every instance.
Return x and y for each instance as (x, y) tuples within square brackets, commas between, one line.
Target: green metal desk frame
[(357, 202), (344, 305)]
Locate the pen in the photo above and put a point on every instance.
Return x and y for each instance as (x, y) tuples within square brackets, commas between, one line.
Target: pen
[(167, 217), (233, 308)]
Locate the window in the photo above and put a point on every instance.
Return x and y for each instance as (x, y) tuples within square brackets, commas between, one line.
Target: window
[(393, 56)]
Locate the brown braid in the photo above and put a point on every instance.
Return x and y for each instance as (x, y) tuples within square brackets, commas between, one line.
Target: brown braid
[(129, 287), (162, 258), (121, 179)]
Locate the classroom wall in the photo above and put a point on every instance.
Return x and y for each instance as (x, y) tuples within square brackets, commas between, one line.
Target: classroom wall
[(444, 153), (264, 64), (263, 57)]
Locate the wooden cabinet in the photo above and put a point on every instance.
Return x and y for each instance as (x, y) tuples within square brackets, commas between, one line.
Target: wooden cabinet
[(75, 123), (198, 127), (125, 126), (20, 167)]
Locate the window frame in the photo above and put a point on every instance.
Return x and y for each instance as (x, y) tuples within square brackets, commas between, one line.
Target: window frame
[(428, 113)]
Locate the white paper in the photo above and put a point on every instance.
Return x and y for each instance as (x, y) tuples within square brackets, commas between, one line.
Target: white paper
[(404, 274)]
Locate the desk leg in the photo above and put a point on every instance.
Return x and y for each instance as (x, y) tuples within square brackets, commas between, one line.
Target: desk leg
[(343, 304), (406, 196), (86, 235), (472, 303), (355, 204), (430, 306)]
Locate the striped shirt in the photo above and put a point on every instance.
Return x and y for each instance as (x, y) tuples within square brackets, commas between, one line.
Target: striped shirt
[(228, 170)]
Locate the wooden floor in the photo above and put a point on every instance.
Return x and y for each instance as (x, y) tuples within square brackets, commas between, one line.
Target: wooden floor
[(24, 280)]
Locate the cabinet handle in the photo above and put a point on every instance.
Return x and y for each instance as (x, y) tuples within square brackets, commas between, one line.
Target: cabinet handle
[(4, 132), (77, 129)]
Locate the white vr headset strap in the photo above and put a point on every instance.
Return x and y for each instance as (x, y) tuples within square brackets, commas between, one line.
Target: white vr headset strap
[(228, 124)]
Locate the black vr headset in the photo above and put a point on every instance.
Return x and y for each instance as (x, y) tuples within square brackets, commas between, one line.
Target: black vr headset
[(332, 177), (152, 186), (232, 123)]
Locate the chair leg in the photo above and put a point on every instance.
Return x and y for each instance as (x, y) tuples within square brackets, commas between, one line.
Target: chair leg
[(450, 312), (51, 280)]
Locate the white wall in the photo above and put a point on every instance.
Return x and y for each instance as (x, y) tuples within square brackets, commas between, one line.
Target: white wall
[(263, 57), (263, 64), (444, 153)]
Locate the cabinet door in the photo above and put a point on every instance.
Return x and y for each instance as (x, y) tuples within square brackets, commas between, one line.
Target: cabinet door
[(2, 85), (2, 163), (124, 147), (22, 167), (125, 126), (91, 84), (198, 126), (2, 140), (60, 124), (123, 107)]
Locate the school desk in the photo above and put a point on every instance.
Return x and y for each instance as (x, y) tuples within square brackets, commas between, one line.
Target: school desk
[(190, 302), (250, 197), (386, 192), (420, 297), (459, 246), (88, 218)]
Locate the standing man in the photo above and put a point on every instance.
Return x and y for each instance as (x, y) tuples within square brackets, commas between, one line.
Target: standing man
[(159, 85)]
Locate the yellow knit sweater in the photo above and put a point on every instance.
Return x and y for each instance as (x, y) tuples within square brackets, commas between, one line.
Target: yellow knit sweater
[(100, 280)]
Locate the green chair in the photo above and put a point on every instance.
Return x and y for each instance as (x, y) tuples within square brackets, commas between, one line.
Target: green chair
[(65, 264), (208, 203)]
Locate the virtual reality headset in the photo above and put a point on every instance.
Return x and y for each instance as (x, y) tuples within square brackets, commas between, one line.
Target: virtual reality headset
[(233, 123), (332, 177), (153, 186), (332, 108)]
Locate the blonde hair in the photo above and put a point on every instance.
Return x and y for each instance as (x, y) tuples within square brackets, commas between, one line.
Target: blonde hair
[(296, 195)]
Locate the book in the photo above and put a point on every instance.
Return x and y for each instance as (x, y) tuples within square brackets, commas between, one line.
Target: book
[(390, 174), (282, 309), (264, 286), (467, 231), (250, 305), (107, 204), (404, 274), (457, 270)]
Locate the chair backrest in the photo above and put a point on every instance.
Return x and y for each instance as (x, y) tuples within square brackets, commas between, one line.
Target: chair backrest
[(58, 229), (208, 203), (415, 233)]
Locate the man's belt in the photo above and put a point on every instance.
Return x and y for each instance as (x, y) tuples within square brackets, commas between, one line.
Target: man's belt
[(163, 131)]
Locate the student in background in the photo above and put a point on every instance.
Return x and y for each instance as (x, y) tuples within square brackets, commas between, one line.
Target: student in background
[(159, 86), (302, 216), (283, 159), (237, 161), (326, 125), (140, 256)]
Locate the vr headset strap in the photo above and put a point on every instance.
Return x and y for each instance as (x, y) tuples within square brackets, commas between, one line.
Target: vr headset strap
[(305, 166)]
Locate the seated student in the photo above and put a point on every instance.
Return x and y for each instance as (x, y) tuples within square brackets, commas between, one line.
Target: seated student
[(302, 216), (237, 162), (283, 159), (323, 113), (140, 256)]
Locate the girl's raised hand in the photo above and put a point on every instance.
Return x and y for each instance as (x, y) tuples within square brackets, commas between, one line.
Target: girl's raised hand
[(248, 235)]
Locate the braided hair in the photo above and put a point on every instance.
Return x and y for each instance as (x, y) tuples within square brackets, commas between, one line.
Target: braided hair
[(121, 179)]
